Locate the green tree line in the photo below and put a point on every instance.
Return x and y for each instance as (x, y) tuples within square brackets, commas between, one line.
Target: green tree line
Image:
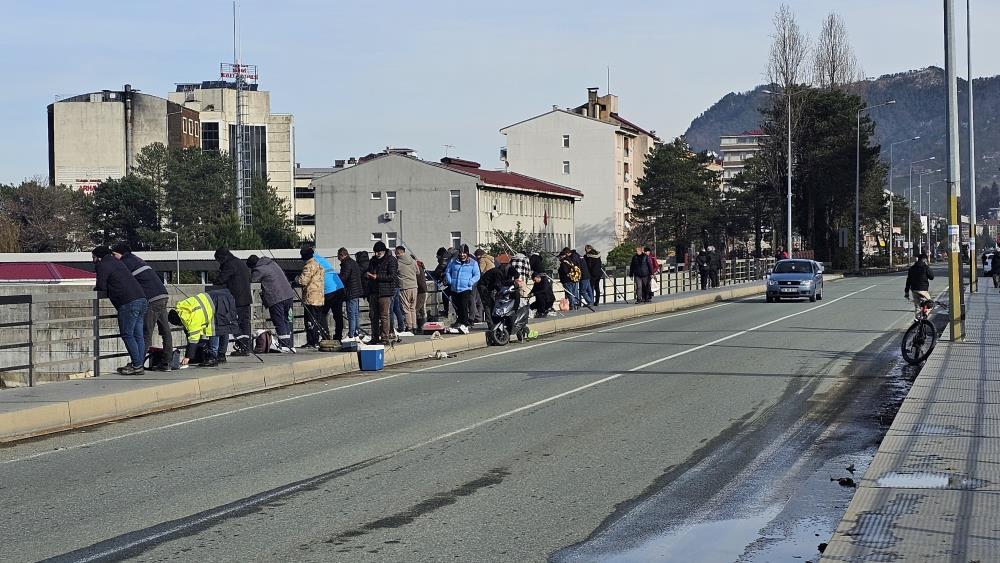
[(185, 191)]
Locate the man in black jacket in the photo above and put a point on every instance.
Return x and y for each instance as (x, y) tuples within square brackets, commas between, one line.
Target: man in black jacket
[(596, 268), (350, 274), (918, 281), (640, 272), (714, 265), (541, 290), (156, 297), (703, 260), (235, 275), (383, 271), (125, 293)]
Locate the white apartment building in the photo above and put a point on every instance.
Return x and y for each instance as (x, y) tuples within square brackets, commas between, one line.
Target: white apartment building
[(589, 148), (271, 135), (735, 150)]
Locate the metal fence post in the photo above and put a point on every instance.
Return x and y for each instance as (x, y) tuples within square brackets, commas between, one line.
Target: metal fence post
[(97, 335), (31, 347)]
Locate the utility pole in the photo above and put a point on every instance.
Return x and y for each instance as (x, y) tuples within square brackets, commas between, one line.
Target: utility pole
[(955, 288), (973, 282)]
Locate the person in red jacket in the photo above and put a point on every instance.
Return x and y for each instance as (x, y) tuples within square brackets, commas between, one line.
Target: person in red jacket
[(654, 269)]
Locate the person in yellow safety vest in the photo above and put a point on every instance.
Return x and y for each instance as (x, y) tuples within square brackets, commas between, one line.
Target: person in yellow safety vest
[(197, 315)]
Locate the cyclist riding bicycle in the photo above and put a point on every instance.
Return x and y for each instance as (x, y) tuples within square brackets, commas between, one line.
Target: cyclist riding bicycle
[(918, 281)]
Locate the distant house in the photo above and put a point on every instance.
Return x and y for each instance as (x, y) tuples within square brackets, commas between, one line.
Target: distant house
[(43, 273), (399, 199), (590, 148)]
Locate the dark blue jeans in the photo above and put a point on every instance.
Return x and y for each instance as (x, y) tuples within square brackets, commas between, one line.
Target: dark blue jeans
[(279, 317), (131, 324)]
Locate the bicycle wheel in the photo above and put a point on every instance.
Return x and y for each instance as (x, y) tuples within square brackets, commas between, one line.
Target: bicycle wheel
[(918, 342)]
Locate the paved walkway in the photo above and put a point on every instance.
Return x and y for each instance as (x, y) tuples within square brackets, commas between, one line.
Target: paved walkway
[(932, 492), (52, 407)]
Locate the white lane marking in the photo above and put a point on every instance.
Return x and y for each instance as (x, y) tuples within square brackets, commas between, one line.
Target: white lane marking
[(393, 376)]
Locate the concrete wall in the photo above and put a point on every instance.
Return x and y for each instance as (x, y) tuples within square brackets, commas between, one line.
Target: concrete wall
[(534, 148), (346, 215), (88, 142), (149, 121)]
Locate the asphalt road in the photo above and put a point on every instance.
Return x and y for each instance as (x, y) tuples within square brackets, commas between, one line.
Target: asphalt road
[(554, 449)]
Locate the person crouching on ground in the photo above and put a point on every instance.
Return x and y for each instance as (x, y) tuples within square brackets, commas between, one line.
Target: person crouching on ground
[(541, 290), (196, 315), (125, 293)]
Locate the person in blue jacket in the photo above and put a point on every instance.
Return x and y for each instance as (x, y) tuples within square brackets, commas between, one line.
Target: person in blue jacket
[(334, 294), (462, 275)]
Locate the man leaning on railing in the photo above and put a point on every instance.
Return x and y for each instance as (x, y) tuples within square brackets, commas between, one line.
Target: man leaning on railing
[(125, 293)]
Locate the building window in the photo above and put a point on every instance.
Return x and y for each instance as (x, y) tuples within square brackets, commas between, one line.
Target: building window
[(565, 167), (456, 239), (210, 136), (627, 177), (255, 157), (184, 125), (305, 193), (305, 219), (376, 236), (628, 149), (390, 240), (376, 195), (627, 200), (456, 200), (565, 141), (390, 201), (196, 126)]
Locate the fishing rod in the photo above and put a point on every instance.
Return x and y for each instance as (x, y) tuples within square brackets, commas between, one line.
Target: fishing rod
[(306, 307)]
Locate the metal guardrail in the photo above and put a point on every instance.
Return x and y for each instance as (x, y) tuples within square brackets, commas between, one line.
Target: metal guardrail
[(616, 286)]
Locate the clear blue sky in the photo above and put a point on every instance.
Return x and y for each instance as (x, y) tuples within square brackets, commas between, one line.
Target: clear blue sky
[(359, 76)]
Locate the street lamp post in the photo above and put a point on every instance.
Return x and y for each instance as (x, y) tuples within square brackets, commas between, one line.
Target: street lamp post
[(892, 236), (857, 187), (788, 112), (920, 201), (973, 285), (909, 234)]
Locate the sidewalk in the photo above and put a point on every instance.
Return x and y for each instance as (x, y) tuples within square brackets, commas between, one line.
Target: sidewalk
[(53, 407), (932, 492)]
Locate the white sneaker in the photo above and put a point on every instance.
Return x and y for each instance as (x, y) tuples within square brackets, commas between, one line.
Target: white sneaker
[(405, 333), (287, 350), (463, 329)]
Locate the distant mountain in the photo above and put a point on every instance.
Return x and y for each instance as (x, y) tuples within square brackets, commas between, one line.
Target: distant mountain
[(920, 109)]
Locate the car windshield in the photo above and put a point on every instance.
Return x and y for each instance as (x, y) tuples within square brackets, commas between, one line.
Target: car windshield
[(792, 267)]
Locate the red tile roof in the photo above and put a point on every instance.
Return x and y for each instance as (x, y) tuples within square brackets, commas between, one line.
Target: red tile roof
[(508, 179), (628, 123), (41, 272)]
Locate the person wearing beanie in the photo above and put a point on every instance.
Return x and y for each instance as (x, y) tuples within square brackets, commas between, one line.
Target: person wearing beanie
[(407, 273), (115, 279), (277, 295), (235, 275), (311, 282), (383, 271), (354, 290), (156, 298)]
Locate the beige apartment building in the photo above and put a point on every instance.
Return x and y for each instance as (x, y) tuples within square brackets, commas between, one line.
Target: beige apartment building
[(96, 136), (590, 148), (735, 151), (271, 135)]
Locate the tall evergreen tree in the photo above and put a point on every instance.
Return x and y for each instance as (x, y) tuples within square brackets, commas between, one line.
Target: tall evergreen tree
[(126, 210)]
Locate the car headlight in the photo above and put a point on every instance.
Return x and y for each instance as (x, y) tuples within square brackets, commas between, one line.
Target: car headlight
[(772, 282), (806, 283)]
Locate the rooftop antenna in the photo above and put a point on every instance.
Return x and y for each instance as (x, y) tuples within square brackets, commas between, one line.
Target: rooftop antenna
[(609, 79), (447, 148), (243, 75)]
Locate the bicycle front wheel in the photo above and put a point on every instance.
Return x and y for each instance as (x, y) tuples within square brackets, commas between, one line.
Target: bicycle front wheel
[(918, 342)]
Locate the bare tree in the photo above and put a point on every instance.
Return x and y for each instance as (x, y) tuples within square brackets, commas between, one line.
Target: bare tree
[(789, 49), (835, 64)]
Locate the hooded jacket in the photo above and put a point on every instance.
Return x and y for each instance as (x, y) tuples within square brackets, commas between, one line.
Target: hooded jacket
[(152, 285), (486, 263), (350, 276), (226, 319), (114, 277), (918, 277), (273, 283), (197, 315), (386, 270), (312, 282), (407, 271), (235, 275), (462, 276), (535, 261), (595, 265)]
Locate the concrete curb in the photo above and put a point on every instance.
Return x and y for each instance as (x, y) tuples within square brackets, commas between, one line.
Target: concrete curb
[(35, 411)]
